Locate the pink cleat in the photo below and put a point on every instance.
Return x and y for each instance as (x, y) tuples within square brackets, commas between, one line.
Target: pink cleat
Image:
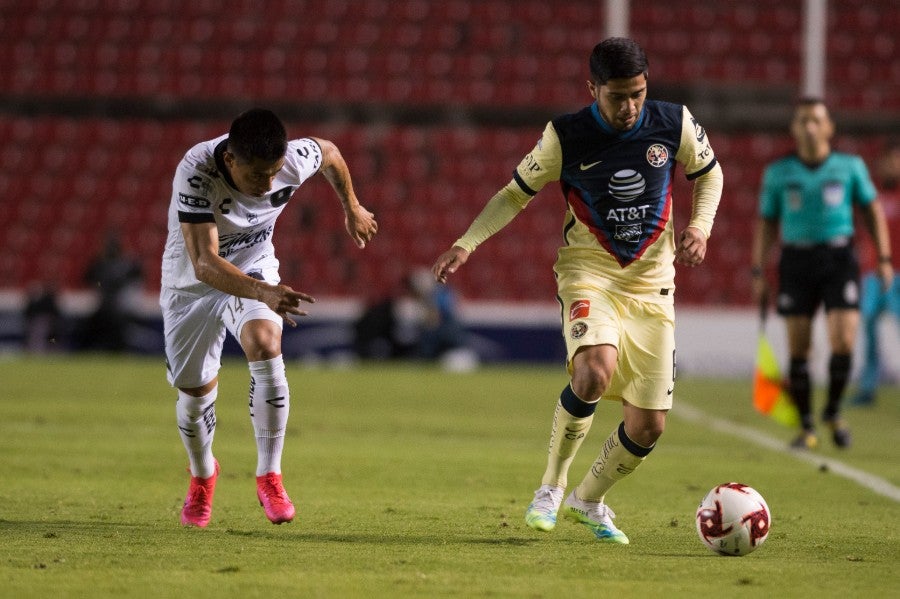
[(274, 498), (198, 503)]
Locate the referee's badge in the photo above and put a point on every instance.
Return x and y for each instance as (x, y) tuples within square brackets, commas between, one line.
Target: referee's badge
[(578, 330), (833, 194)]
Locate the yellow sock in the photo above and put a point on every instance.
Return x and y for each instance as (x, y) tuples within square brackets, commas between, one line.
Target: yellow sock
[(571, 423), (618, 458)]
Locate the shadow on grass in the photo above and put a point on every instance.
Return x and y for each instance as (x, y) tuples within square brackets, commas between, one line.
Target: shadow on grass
[(372, 538), (62, 529)]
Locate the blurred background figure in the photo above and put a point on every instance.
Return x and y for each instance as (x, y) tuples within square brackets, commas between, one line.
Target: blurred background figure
[(115, 276), (440, 330), (419, 323), (878, 303), (808, 200), (43, 319), (381, 334)]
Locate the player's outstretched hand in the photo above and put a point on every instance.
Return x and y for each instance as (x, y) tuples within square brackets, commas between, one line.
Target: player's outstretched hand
[(361, 225), (691, 248), (285, 301), (448, 262)]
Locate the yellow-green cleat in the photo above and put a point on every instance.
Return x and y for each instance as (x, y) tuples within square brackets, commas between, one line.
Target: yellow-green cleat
[(541, 512), (597, 516)]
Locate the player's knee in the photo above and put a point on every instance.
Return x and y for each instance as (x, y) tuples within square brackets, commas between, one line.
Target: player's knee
[(647, 432), (652, 432), (590, 383), (261, 344), (592, 371), (264, 351), (200, 391), (844, 343)]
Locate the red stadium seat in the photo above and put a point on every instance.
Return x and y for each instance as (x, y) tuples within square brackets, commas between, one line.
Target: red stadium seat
[(451, 55)]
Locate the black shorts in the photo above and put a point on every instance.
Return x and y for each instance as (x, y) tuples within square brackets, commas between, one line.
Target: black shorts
[(809, 277)]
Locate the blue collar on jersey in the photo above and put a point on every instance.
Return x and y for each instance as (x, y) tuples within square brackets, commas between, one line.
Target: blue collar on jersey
[(595, 110)]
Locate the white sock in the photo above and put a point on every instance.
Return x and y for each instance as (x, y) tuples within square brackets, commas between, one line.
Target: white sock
[(196, 418), (269, 408)]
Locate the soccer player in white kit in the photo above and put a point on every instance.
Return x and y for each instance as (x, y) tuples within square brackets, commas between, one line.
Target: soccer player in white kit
[(220, 273)]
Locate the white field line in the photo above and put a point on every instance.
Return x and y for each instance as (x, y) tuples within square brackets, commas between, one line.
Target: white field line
[(869, 481)]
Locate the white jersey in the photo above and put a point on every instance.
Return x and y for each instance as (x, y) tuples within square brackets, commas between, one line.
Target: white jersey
[(203, 191)]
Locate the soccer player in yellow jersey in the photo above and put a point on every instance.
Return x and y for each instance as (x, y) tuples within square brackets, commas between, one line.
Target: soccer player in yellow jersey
[(614, 160)]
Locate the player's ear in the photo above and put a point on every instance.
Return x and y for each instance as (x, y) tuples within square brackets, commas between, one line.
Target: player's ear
[(829, 128)]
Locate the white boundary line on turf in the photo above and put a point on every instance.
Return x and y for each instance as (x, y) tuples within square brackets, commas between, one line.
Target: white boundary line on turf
[(869, 481)]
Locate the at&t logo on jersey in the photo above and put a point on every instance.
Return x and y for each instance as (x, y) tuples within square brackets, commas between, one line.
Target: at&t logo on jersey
[(627, 185)]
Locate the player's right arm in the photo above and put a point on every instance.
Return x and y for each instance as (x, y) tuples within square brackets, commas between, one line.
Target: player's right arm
[(542, 165), (765, 234), (202, 243), (764, 237)]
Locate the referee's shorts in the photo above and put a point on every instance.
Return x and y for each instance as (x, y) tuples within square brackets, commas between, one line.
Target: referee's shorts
[(821, 274)]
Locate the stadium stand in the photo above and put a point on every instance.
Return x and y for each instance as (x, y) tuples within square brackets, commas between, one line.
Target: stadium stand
[(100, 98)]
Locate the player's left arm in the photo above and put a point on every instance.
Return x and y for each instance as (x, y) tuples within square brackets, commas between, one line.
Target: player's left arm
[(360, 223), (866, 196), (701, 166), (876, 223)]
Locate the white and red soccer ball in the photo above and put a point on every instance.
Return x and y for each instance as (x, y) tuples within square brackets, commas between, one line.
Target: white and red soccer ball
[(733, 519)]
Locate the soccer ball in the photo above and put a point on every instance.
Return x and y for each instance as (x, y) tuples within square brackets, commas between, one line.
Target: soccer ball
[(733, 519)]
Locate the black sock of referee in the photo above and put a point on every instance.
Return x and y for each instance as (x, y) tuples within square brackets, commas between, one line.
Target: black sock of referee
[(799, 388), (838, 375)]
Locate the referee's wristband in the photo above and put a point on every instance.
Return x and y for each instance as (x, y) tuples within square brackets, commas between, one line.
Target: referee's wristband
[(756, 271), (884, 259)]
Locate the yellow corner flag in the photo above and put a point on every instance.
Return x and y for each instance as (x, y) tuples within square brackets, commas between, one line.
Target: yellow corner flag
[(769, 395)]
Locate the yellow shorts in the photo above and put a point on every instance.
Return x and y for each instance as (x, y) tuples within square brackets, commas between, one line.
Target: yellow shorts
[(643, 332)]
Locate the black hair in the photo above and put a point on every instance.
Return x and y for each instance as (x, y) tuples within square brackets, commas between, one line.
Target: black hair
[(809, 101), (257, 134), (617, 58)]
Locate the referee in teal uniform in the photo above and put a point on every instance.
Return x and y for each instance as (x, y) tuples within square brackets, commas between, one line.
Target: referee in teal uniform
[(812, 195)]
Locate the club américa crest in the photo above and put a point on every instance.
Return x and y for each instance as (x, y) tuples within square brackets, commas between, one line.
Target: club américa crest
[(657, 155), (578, 330)]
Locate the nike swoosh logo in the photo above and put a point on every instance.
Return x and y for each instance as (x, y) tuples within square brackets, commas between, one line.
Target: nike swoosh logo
[(585, 167), (669, 391)]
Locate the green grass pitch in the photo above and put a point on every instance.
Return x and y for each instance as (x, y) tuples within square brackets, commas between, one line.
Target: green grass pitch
[(411, 482)]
